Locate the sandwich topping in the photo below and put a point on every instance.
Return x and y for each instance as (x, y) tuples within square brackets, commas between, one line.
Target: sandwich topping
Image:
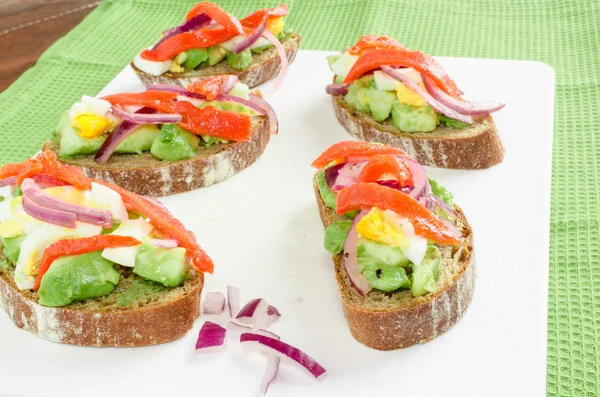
[(69, 238), (209, 36), (392, 217), (380, 77), (171, 122)]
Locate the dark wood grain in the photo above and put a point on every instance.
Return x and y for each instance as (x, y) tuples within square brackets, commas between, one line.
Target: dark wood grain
[(29, 27)]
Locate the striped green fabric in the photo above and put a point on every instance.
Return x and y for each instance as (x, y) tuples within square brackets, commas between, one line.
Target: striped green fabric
[(564, 34)]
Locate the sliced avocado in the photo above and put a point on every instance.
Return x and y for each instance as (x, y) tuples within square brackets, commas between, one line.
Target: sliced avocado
[(215, 54), (165, 266), (140, 141), (331, 59), (174, 144), (194, 58), (76, 278), (357, 96), (326, 194), (413, 119), (240, 61), (380, 103), (285, 33), (391, 256), (260, 49), (229, 107), (459, 125), (381, 276), (12, 247), (335, 236), (72, 144), (425, 275)]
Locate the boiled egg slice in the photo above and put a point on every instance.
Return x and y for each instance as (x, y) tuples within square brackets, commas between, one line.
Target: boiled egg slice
[(125, 256), (151, 67), (105, 198)]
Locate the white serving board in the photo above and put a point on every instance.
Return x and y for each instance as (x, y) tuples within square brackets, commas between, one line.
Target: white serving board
[(263, 231)]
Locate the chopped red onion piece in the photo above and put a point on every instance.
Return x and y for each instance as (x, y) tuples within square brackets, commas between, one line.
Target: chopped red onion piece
[(236, 327), (337, 89), (11, 180), (197, 22), (464, 107), (165, 243), (229, 84), (211, 337), (272, 311), (233, 300), (256, 314), (158, 118), (282, 56), (250, 40), (48, 215), (282, 350), (214, 303), (351, 260), (266, 106), (84, 214), (124, 129), (438, 106)]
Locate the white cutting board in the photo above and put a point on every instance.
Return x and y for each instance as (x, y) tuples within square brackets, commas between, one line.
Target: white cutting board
[(263, 231)]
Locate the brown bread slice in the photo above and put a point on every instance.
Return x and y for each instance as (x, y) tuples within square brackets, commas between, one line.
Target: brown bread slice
[(121, 319), (264, 67), (388, 321), (147, 175), (476, 147)]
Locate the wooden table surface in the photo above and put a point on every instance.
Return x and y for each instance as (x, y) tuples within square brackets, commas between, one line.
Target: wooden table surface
[(29, 27)]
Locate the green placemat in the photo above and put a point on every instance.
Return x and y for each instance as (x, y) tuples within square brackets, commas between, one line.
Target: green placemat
[(564, 34)]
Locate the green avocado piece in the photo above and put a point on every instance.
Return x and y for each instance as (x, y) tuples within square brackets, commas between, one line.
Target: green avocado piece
[(380, 103), (71, 143), (357, 96), (229, 107), (459, 125), (285, 33), (326, 194), (391, 256), (140, 141), (381, 276), (413, 119), (216, 55), (174, 144), (425, 275), (165, 266), (331, 59), (76, 278), (12, 247), (17, 191), (441, 192), (194, 58), (240, 61), (335, 236), (260, 49)]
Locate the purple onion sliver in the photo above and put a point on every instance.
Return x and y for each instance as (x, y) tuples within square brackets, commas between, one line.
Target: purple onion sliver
[(157, 118), (162, 243), (229, 84), (197, 22), (211, 337), (268, 109), (11, 180), (337, 89), (351, 260), (250, 40), (48, 215)]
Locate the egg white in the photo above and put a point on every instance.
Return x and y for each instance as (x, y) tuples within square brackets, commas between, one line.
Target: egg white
[(125, 256)]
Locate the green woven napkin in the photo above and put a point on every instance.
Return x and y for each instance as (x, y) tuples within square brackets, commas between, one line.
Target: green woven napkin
[(564, 34)]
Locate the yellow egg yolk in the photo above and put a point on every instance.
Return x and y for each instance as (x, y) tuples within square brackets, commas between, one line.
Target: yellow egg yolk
[(32, 265), (67, 193), (91, 125), (11, 228), (409, 97), (378, 226), (275, 25)]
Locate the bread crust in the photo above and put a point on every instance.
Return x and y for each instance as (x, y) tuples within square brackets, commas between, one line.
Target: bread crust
[(144, 174), (129, 327), (255, 75), (420, 321), (452, 149)]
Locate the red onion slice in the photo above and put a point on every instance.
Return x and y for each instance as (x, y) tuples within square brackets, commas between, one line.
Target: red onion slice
[(248, 103), (124, 129), (442, 204), (250, 40), (256, 314), (272, 116), (282, 56), (348, 175), (197, 22), (214, 303), (211, 337), (165, 243), (351, 260), (337, 89), (84, 214), (229, 84), (453, 229), (48, 215), (158, 118), (236, 327), (419, 178), (469, 108), (282, 350), (44, 181), (167, 88), (272, 311), (438, 106), (11, 180), (233, 300)]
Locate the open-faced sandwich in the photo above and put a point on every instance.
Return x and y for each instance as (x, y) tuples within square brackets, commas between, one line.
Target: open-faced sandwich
[(386, 93), (212, 42), (168, 139), (88, 263), (403, 252)]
